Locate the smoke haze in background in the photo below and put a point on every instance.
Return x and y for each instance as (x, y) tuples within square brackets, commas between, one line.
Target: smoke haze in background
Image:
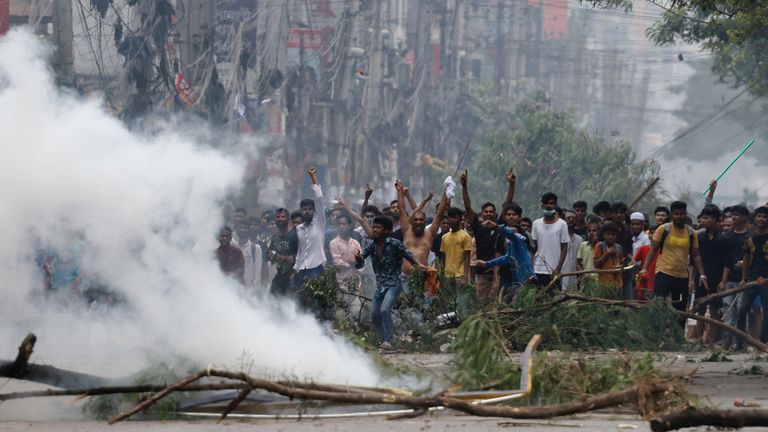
[(147, 211)]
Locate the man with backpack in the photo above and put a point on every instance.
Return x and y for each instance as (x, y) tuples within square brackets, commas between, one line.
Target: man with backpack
[(677, 245)]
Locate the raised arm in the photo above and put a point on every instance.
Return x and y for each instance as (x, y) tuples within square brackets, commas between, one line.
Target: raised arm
[(319, 201), (367, 197), (411, 201), (465, 196), (356, 216), (711, 194), (439, 214), (511, 179), (405, 224), (424, 202)]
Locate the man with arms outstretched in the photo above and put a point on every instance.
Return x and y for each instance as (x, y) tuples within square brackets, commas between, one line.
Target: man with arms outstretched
[(416, 237)]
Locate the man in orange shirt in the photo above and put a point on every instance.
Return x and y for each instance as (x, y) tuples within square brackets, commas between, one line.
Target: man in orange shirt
[(609, 255)]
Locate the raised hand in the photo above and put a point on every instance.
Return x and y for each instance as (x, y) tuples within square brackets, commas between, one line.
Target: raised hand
[(312, 171), (511, 177)]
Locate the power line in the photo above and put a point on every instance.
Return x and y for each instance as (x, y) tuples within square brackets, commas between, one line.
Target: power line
[(702, 123)]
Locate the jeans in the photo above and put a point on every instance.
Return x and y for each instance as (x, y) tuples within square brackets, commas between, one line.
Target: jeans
[(746, 299), (730, 306), (306, 275), (381, 313), (510, 288)]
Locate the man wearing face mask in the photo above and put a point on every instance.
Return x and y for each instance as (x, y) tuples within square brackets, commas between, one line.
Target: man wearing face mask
[(282, 253), (550, 241)]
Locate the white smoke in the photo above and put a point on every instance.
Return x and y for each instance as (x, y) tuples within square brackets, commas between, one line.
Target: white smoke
[(69, 169)]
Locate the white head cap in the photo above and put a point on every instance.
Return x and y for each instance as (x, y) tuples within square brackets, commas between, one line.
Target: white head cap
[(637, 216)]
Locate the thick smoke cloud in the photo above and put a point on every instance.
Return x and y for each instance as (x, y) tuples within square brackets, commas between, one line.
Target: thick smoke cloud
[(146, 210)]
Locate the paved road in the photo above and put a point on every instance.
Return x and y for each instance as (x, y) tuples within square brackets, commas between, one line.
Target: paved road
[(718, 383)]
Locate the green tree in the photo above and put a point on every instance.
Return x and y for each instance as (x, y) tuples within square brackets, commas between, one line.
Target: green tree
[(549, 153)]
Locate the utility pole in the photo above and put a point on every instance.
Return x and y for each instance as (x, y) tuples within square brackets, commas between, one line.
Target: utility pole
[(456, 39), (196, 36), (500, 47), (337, 112), (64, 64)]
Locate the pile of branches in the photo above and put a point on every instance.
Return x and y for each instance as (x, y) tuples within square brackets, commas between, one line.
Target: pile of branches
[(582, 321), (641, 395), (648, 395)]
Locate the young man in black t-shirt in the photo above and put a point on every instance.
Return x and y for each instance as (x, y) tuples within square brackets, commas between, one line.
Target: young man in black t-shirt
[(755, 268), (486, 230), (713, 249), (580, 228), (736, 238)]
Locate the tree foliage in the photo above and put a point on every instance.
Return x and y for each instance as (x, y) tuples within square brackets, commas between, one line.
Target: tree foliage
[(548, 152)]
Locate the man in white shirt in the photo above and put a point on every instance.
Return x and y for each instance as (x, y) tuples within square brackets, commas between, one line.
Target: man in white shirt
[(637, 228), (251, 254), (311, 256), (550, 241)]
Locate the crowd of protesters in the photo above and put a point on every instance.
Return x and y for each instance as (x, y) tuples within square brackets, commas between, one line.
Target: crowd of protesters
[(628, 254)]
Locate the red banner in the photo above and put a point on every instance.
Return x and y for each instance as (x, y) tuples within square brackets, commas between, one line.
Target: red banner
[(186, 92), (555, 19), (5, 16), (312, 37)]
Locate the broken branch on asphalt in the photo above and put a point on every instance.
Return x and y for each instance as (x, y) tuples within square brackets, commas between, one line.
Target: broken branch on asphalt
[(631, 395), (692, 417)]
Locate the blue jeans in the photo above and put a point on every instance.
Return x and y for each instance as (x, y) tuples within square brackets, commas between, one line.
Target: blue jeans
[(306, 275), (730, 305), (381, 312), (746, 300)]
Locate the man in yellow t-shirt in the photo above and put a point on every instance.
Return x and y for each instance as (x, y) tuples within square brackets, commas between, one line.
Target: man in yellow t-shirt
[(457, 246), (678, 245)]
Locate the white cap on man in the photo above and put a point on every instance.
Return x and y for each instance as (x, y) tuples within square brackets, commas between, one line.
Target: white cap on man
[(637, 216)]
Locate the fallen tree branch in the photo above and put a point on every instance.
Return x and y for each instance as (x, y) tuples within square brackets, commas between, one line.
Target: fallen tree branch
[(733, 330), (635, 305), (25, 352), (691, 417), (97, 391), (161, 394), (560, 276), (702, 302), (588, 404), (235, 403), (21, 368)]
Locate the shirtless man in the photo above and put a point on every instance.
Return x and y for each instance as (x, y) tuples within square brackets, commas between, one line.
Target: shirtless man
[(416, 237)]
